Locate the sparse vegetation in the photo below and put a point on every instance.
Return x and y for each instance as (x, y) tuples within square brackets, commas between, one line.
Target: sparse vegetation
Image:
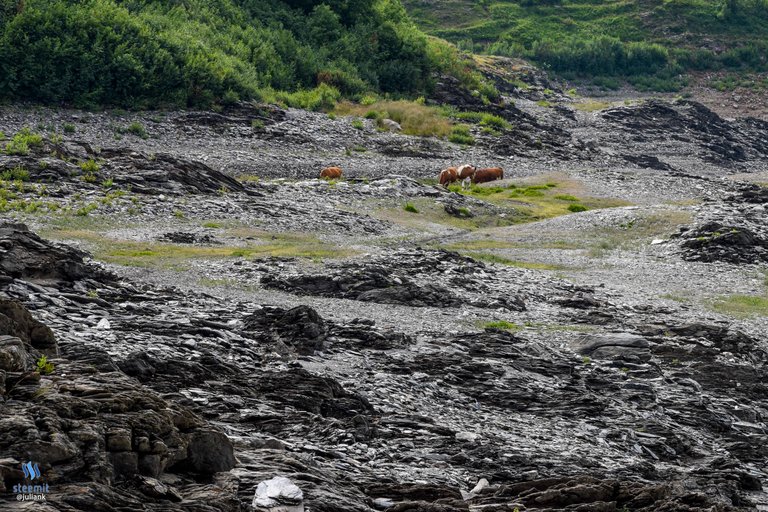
[(89, 166), (17, 173), (575, 208), (460, 135), (409, 207), (22, 142), (44, 367), (742, 305), (413, 117), (502, 325)]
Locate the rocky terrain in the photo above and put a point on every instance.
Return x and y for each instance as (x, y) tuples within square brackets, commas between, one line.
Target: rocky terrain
[(228, 333)]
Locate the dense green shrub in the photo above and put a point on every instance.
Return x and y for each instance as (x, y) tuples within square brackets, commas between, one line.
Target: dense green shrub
[(148, 53)]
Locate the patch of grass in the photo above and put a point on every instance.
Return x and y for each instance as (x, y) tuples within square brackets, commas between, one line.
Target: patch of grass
[(742, 306), (534, 201), (409, 207), (566, 197), (501, 260), (575, 208), (175, 256), (591, 105), (68, 128), (358, 124), (414, 117), (502, 324), (635, 232), (17, 173), (477, 245), (460, 135), (212, 225)]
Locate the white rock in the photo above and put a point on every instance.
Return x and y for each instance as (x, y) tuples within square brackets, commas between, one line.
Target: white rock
[(103, 325), (278, 494), (470, 437), (657, 241)]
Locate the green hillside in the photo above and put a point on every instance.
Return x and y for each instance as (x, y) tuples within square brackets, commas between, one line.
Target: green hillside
[(150, 53), (648, 42)]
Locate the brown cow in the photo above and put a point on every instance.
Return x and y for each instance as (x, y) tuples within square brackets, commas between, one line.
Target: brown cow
[(490, 174), (331, 173), (465, 171), (447, 176)]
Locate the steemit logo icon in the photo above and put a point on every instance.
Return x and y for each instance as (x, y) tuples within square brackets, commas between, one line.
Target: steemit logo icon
[(31, 471)]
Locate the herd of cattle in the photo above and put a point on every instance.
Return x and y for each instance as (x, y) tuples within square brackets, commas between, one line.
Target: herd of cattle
[(466, 174)]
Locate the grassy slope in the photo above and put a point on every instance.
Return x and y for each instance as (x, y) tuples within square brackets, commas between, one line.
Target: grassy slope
[(692, 22), (695, 32)]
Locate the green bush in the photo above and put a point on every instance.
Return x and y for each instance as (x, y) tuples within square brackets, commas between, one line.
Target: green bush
[(577, 208), (410, 208), (69, 128), (152, 53)]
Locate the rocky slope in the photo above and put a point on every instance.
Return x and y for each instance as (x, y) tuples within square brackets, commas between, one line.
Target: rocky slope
[(239, 332)]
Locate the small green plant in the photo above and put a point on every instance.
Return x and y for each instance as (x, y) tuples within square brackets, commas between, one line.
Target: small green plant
[(357, 124), (409, 207), (577, 208), (257, 124), (586, 360), (69, 128), (212, 225), (108, 183), (178, 214), (44, 367), (89, 166), (137, 129), (566, 197), (332, 116), (93, 294)]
